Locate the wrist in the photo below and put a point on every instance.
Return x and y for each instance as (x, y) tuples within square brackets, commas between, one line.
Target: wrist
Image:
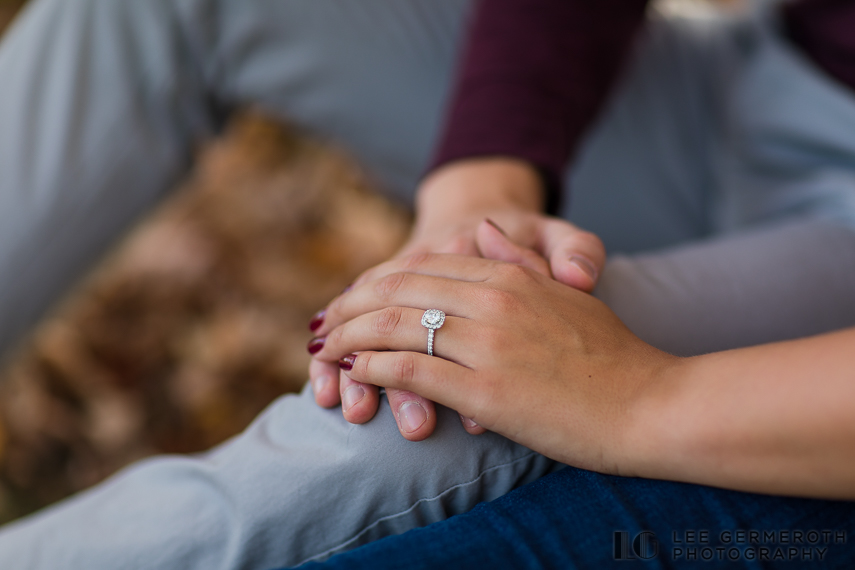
[(651, 432), (470, 187)]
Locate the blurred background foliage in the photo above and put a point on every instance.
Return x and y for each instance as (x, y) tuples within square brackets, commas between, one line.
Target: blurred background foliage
[(197, 320)]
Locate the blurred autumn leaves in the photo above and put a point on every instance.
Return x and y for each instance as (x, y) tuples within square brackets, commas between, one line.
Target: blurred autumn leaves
[(197, 321)]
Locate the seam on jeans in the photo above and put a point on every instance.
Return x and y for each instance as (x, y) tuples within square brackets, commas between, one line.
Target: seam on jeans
[(355, 537)]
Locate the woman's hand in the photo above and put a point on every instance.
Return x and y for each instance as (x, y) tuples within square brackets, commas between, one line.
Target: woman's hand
[(520, 353), (452, 202)]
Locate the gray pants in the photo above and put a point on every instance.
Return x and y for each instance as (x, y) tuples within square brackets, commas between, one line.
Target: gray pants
[(722, 175)]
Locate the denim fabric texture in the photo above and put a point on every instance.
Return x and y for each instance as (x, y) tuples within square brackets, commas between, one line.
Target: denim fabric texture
[(569, 519)]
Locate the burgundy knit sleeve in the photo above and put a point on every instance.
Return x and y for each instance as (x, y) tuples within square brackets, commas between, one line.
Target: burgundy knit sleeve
[(532, 77), (825, 31)]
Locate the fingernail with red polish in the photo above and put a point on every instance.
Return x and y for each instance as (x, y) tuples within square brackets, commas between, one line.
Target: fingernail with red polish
[(347, 362), (315, 345), (317, 320), (495, 225), (586, 266)]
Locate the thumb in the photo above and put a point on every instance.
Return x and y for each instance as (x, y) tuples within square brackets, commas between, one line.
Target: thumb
[(493, 243), (576, 257)]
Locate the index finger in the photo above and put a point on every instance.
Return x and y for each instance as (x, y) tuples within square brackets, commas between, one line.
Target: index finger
[(409, 290), (452, 266)]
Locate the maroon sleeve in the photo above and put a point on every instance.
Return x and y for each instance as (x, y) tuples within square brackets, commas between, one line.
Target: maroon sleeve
[(533, 76), (825, 31)]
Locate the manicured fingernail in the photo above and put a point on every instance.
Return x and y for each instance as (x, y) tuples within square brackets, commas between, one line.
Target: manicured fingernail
[(352, 396), (320, 383), (467, 422), (346, 362), (412, 416), (495, 225), (585, 265), (317, 320), (316, 344)]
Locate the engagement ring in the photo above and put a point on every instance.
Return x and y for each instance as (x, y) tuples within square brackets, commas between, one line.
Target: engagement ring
[(432, 320)]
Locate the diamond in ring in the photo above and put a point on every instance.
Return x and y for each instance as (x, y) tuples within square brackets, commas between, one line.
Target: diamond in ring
[(432, 320)]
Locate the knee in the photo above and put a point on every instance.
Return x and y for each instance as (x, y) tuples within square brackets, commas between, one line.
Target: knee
[(376, 452)]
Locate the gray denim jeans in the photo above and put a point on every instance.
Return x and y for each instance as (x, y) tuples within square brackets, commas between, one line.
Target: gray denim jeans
[(721, 176)]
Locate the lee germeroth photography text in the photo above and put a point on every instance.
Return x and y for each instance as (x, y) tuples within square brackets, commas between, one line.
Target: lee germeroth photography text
[(704, 545)]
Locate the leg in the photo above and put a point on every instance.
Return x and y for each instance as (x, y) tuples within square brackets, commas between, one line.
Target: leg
[(371, 76), (104, 101), (533, 528), (300, 483), (702, 146), (100, 109)]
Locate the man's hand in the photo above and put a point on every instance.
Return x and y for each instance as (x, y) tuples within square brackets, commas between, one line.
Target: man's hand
[(451, 205), (455, 199)]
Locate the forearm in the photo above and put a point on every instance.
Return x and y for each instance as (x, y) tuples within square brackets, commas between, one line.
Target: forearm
[(532, 77), (775, 418), (774, 283)]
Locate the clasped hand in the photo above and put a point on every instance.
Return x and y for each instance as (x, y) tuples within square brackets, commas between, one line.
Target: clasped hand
[(520, 353), (452, 204)]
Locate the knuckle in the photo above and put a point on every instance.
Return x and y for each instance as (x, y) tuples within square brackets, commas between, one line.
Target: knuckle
[(513, 272), (361, 368), (404, 368), (389, 285), (416, 260), (335, 337), (387, 321), (499, 301), (460, 245)]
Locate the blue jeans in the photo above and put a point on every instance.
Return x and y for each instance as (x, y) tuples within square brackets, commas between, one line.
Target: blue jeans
[(580, 519)]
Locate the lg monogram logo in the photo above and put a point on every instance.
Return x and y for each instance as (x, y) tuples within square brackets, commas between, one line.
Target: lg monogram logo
[(643, 547)]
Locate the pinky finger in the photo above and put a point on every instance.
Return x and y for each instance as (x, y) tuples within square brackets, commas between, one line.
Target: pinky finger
[(434, 378)]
